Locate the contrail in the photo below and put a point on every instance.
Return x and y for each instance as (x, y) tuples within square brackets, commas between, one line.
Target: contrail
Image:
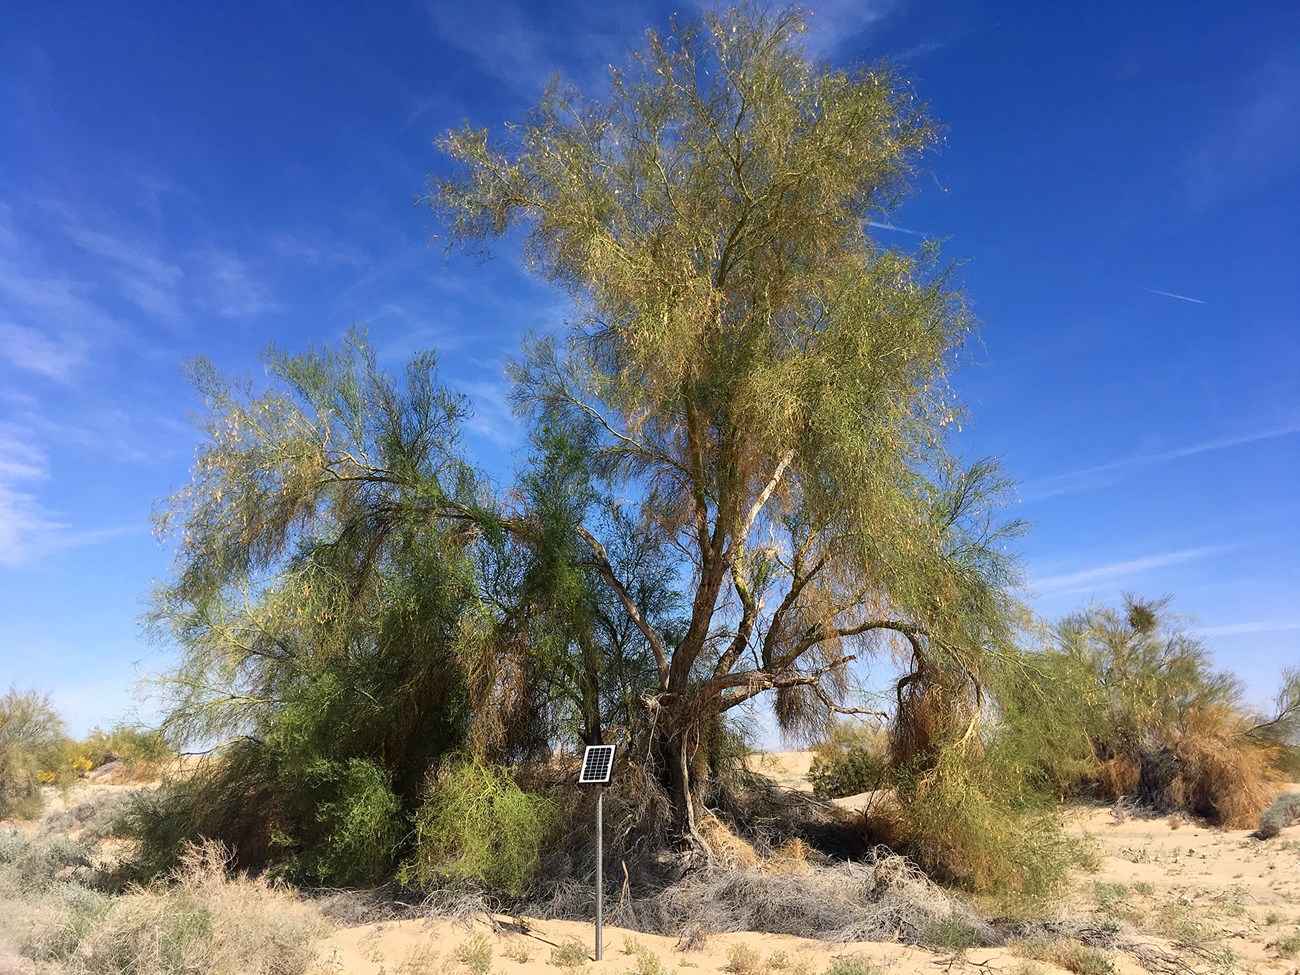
[(1170, 294), (890, 226)]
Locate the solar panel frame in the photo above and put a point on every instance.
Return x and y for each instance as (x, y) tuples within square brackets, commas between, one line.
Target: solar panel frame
[(597, 765)]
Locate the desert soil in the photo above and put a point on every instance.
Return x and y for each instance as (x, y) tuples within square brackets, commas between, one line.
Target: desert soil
[(1217, 899), (1184, 889)]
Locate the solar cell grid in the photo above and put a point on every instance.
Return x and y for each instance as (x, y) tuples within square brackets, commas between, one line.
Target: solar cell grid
[(597, 763)]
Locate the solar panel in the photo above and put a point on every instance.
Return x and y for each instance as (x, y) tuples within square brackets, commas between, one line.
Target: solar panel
[(597, 764)]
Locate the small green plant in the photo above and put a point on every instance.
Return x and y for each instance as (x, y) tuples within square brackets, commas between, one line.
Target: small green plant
[(647, 962), (571, 954), (1072, 955), (1110, 897), (517, 949), (1144, 889), (950, 933), (1289, 947), (851, 965), (1272, 917), (479, 828), (475, 953), (778, 961)]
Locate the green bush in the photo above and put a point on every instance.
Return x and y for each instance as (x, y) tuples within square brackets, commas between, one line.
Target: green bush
[(478, 828), (852, 759), (964, 826), (31, 731), (365, 824)]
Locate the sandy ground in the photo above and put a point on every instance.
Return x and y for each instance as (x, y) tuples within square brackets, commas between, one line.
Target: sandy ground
[(1178, 886), (1219, 900)]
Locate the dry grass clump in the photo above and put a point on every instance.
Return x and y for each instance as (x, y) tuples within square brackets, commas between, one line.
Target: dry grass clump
[(1212, 769), (884, 899), (204, 921), (1284, 812)]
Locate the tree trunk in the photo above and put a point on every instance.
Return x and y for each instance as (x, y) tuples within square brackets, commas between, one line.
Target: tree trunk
[(677, 750)]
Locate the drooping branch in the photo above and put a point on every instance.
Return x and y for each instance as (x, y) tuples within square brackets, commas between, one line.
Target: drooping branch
[(600, 562)]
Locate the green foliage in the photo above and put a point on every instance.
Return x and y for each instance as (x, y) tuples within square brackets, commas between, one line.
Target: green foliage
[(851, 965), (364, 824), (475, 953), (1125, 702), (1288, 947), (852, 759), (1069, 954), (1281, 729), (765, 379), (951, 933), (31, 734), (478, 828), (570, 954), (960, 820), (128, 743), (647, 962)]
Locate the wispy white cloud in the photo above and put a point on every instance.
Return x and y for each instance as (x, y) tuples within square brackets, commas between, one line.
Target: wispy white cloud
[(1257, 142), (23, 519), (317, 250), (31, 351), (1255, 626), (493, 418), (1170, 294), (834, 23), (1102, 475), (144, 277), (1113, 574), (230, 287)]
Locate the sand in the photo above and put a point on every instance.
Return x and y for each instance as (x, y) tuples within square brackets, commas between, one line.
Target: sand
[(1166, 882), (1174, 885)]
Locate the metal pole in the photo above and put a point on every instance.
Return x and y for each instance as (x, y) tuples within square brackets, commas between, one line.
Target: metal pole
[(600, 868)]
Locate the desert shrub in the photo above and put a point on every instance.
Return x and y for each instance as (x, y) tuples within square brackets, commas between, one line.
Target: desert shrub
[(1070, 954), (1288, 947), (204, 920), (647, 962), (479, 828), (96, 817), (1284, 812), (42, 863), (31, 732), (274, 804), (743, 960), (1126, 702), (364, 824), (951, 933), (570, 954), (851, 965), (475, 953), (1219, 773), (965, 826), (852, 759)]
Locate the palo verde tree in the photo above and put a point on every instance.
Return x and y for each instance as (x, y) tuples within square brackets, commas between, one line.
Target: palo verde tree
[(761, 381), (325, 604)]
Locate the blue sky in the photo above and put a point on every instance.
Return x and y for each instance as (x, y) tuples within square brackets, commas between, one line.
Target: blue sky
[(1121, 181)]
